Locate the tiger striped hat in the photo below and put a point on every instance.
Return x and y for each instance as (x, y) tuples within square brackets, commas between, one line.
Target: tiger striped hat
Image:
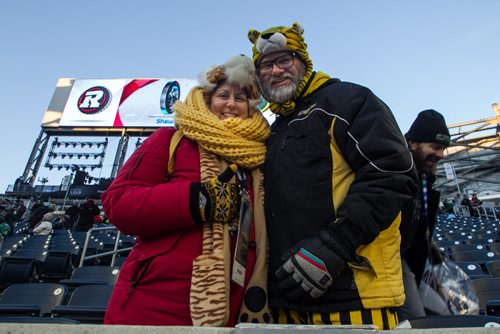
[(278, 39)]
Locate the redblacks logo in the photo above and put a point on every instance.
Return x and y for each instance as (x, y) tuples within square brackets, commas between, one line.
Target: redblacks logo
[(94, 100)]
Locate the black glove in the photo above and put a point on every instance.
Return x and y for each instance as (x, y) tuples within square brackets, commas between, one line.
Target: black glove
[(216, 200), (310, 269)]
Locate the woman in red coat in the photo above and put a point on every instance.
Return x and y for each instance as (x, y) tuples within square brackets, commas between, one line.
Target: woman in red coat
[(176, 193)]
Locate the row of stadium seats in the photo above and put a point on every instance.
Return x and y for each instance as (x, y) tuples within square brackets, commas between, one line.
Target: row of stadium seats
[(85, 304)]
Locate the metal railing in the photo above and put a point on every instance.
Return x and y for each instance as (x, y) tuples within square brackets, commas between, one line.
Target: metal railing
[(114, 252), (487, 211)]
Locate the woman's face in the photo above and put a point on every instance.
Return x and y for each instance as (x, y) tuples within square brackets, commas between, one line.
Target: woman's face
[(229, 100)]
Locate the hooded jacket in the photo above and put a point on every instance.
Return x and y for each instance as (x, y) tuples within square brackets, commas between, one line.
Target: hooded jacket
[(155, 280), (340, 163)]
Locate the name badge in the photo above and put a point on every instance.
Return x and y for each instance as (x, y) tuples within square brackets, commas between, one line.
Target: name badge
[(243, 240)]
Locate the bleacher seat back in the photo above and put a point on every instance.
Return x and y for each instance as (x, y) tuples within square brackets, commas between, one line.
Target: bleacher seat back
[(479, 256), (486, 289), (44, 295), (493, 268), (91, 295), (454, 321)]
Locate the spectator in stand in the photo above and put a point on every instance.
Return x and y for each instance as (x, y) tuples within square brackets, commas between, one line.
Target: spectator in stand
[(427, 139), (37, 215), (474, 204), (71, 215), (466, 202), (44, 227), (20, 209), (4, 229), (36, 204), (86, 212), (7, 214)]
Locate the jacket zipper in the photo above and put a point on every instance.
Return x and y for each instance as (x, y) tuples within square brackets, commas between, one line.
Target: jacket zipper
[(137, 277)]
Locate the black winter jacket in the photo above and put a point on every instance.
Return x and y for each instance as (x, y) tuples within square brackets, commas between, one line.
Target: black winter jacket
[(340, 163)]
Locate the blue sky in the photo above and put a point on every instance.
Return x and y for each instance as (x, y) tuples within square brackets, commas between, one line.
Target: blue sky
[(414, 55)]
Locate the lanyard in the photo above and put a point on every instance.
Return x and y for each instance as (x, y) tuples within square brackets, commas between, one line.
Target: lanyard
[(425, 189), (244, 230)]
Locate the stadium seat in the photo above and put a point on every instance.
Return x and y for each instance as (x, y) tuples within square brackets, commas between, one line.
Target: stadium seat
[(44, 320), (16, 270), (493, 268), (451, 321), (495, 247), (472, 269), (87, 304), (486, 289), (31, 299), (479, 256), (91, 275), (466, 248)]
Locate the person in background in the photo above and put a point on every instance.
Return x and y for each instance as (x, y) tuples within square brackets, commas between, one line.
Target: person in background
[(37, 214), (44, 227), (427, 139), (71, 215), (20, 209), (86, 213), (475, 203), (337, 175), (466, 202), (169, 205), (36, 204)]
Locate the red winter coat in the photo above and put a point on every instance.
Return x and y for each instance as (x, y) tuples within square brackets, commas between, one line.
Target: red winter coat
[(154, 283)]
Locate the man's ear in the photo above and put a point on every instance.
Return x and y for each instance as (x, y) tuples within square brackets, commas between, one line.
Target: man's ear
[(412, 145)]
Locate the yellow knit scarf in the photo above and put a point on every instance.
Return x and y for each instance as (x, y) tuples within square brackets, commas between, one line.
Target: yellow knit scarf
[(288, 107), (234, 139)]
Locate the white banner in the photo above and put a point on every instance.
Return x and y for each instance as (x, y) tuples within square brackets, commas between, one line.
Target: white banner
[(124, 102)]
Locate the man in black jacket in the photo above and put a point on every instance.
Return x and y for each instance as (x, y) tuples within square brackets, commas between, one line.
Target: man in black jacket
[(37, 214), (87, 211), (427, 139), (337, 175), (71, 214)]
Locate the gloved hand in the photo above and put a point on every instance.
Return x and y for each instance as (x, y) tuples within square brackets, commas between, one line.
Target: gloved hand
[(216, 200), (310, 269)]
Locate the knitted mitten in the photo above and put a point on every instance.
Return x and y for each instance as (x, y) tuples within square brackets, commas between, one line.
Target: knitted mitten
[(216, 200)]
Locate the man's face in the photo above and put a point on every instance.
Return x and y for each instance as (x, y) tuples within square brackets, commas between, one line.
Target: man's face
[(280, 74), (427, 155)]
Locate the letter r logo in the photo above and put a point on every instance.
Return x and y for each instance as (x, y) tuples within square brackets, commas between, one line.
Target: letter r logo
[(94, 100)]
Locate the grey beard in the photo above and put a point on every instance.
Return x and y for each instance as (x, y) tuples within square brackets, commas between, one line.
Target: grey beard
[(282, 94)]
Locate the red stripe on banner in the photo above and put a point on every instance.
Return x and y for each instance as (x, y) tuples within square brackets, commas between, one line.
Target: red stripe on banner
[(311, 261), (118, 120), (128, 90)]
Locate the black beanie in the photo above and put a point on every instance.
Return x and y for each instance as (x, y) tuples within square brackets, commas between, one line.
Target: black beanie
[(429, 127)]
